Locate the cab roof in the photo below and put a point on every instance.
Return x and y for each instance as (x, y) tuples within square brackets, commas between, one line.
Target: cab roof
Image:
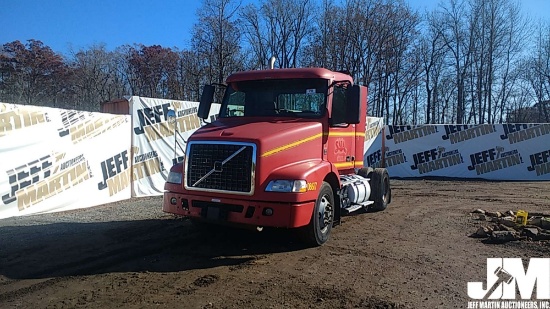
[(289, 74)]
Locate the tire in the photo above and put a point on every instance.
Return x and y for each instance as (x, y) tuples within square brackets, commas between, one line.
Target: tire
[(318, 230), (365, 172), (380, 189)]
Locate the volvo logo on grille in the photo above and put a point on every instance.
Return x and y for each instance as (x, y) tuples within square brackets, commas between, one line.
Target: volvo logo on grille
[(218, 166)]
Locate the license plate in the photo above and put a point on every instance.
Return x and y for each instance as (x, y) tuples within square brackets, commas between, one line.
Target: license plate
[(213, 213)]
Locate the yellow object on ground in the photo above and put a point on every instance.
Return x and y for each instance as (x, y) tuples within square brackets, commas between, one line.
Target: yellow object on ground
[(521, 217)]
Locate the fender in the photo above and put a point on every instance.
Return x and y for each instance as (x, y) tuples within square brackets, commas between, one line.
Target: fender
[(313, 171)]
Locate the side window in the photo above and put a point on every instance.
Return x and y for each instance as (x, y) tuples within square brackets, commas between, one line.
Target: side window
[(235, 105), (338, 105)]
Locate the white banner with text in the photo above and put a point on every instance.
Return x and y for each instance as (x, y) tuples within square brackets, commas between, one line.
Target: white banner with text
[(55, 160), (492, 152), (155, 138)]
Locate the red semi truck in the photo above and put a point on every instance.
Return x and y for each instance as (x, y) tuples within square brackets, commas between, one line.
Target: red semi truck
[(286, 151)]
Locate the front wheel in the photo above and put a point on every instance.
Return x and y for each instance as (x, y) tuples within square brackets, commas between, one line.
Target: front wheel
[(318, 230)]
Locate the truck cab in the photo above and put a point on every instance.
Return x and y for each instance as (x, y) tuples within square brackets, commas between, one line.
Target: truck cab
[(286, 151)]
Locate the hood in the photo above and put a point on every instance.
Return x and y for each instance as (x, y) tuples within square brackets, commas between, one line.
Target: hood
[(272, 136)]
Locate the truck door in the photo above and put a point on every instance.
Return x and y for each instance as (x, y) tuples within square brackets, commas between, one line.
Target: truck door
[(340, 147)]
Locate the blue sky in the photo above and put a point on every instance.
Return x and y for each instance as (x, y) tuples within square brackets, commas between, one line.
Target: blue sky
[(74, 24)]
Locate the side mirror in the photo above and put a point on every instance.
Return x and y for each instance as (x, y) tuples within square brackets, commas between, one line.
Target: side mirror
[(206, 101), (171, 116), (353, 105)]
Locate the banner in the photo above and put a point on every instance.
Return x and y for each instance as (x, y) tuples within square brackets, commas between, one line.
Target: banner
[(154, 139), (492, 152), (55, 160), (373, 129)]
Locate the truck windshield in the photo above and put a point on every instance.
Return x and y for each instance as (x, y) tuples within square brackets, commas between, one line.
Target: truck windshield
[(304, 98)]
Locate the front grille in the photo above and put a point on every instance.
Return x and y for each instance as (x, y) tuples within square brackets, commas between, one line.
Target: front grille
[(220, 167)]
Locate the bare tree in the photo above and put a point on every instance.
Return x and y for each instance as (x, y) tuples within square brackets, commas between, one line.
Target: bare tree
[(537, 73), (457, 28), (93, 78), (402, 67), (499, 33), (254, 35), (191, 75), (278, 28), (432, 51), (216, 38), (513, 42)]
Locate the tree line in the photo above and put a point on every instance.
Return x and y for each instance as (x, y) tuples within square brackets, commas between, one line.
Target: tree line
[(464, 62)]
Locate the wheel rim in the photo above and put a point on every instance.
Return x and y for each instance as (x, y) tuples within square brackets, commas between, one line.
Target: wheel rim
[(325, 214)]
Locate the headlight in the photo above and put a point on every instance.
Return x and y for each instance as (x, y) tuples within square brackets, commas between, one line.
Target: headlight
[(174, 177), (286, 186)]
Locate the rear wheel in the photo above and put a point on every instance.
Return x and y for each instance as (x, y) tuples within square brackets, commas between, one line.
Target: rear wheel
[(318, 230), (381, 192), (365, 172)]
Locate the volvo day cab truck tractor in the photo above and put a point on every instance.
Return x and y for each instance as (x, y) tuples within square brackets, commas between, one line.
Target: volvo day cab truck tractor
[(286, 151)]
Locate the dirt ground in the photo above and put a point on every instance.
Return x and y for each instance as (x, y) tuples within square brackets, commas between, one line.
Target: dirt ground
[(416, 254)]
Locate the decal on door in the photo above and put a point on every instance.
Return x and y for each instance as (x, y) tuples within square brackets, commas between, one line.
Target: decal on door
[(340, 150)]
